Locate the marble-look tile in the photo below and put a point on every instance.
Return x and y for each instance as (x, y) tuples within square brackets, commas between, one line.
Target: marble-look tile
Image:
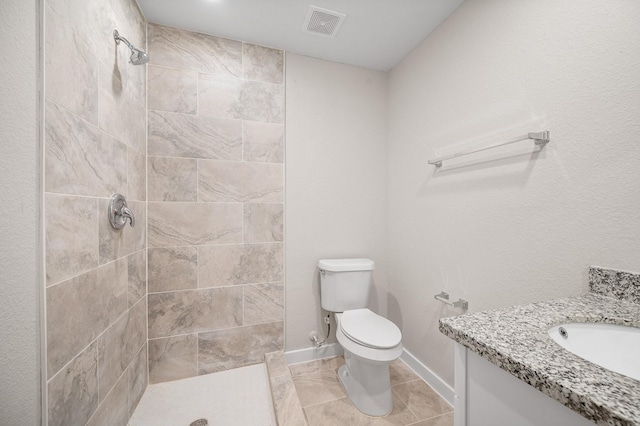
[(318, 387), (93, 22), (240, 264), (225, 97), (120, 114), (172, 90), (221, 181), (263, 303), (401, 373), (81, 308), (73, 393), (262, 102), (173, 358), (286, 402), (71, 76), (443, 420), (119, 344), (71, 239), (238, 347), (172, 179), (79, 158), (191, 311), (276, 364), (114, 409), (263, 142), (220, 97), (179, 224), (262, 63), (182, 135), (173, 268), (118, 243), (137, 273), (138, 377), (343, 412), (423, 401), (136, 176), (263, 223), (317, 365), (186, 49)]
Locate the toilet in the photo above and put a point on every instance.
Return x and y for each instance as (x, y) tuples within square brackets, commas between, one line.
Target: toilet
[(370, 342)]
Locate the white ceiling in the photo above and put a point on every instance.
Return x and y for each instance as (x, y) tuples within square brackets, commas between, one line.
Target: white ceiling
[(376, 34)]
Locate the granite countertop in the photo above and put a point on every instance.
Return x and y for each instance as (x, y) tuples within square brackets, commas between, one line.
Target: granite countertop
[(516, 340)]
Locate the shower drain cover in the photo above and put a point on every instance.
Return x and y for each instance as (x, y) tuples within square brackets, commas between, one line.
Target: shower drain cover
[(200, 422)]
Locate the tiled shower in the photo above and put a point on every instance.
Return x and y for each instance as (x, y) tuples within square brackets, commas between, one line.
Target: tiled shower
[(195, 144)]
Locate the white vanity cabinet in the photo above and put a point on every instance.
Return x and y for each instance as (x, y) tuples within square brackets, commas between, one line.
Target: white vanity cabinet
[(486, 395)]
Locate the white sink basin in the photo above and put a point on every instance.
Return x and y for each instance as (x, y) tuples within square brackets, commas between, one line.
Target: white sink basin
[(614, 347)]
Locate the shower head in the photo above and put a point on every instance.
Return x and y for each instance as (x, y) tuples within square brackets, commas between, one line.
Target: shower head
[(138, 57)]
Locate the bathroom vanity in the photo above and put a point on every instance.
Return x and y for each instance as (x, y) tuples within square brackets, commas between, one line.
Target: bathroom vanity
[(508, 371)]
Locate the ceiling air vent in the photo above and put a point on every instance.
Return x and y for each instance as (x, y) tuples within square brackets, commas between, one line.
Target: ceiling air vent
[(323, 22)]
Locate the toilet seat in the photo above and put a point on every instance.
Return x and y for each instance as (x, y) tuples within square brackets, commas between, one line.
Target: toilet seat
[(370, 329)]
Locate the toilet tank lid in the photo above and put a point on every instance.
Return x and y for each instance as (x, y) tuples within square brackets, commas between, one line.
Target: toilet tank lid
[(343, 265)]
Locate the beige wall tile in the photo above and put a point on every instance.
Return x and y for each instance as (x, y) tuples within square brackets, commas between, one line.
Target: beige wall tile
[(178, 224), (118, 243), (138, 378), (137, 176), (263, 303), (121, 115), (73, 393), (137, 273), (240, 264), (263, 102), (71, 236), (219, 96), (263, 142), (182, 135), (119, 344), (262, 63), (192, 311), (114, 409), (226, 97), (79, 158), (186, 49), (81, 308), (172, 90), (72, 69), (263, 222), (221, 181), (173, 358), (172, 179), (237, 347), (173, 268)]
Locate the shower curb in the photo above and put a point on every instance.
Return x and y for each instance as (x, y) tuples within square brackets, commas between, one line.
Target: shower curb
[(283, 392)]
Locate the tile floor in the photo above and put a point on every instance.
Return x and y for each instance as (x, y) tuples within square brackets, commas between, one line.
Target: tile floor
[(237, 397), (324, 402)]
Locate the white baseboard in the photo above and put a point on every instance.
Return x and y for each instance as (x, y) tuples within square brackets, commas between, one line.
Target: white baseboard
[(429, 376), (311, 354)]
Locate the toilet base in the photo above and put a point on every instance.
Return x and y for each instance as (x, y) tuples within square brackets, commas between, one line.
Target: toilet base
[(367, 383)]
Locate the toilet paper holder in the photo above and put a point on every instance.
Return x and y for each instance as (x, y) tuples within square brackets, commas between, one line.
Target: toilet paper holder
[(444, 298)]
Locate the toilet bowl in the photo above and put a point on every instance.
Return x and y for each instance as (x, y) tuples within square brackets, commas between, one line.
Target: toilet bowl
[(370, 342)]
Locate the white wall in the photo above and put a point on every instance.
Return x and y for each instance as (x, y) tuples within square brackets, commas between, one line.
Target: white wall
[(521, 228), (19, 210), (335, 179)]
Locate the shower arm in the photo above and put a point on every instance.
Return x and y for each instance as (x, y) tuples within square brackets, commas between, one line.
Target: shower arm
[(118, 38)]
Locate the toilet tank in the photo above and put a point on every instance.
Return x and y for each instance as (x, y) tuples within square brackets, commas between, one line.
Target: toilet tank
[(345, 283)]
